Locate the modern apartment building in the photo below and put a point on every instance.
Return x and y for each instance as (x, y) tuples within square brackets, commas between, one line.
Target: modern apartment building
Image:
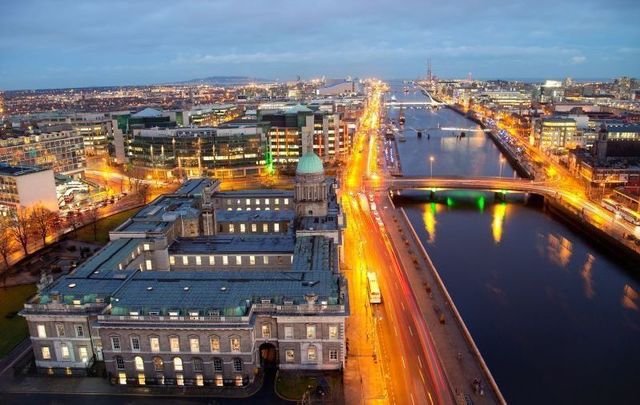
[(176, 300), (25, 187)]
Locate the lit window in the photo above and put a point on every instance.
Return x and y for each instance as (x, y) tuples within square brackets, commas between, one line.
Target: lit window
[(276, 201), (172, 260), (198, 261), (257, 201), (146, 246), (199, 380), (225, 260), (289, 355), (122, 378), (237, 365), (148, 264), (215, 344), (333, 331), (219, 380), (115, 342), (42, 331), (311, 353), (185, 260), (266, 330), (212, 260), (288, 332), (180, 379), (311, 331), (139, 363), (238, 260), (79, 331), (254, 227), (238, 381), (141, 379), (252, 260), (265, 228), (286, 201), (177, 364), (265, 259), (243, 228), (235, 344), (248, 201), (60, 329), (333, 355), (174, 343), (194, 344), (84, 356), (46, 353), (154, 342), (266, 201), (119, 363), (231, 228), (276, 227), (217, 365)]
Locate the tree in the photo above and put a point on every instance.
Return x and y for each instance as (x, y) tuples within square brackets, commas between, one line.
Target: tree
[(20, 228), (142, 189), (93, 216), (41, 221), (7, 246)]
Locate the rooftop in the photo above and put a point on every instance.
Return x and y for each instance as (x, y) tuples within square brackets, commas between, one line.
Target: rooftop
[(6, 170), (233, 244), (255, 216)]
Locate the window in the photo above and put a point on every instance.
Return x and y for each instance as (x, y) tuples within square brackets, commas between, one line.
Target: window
[(219, 380), (333, 355), (215, 344), (212, 260), (122, 378), (276, 201), (254, 227), (84, 356), (248, 201), (266, 330), (141, 379), (172, 260), (177, 364), (174, 343), (243, 228), (289, 355), (257, 201), (115, 342), (158, 364), (232, 228), (266, 201), (198, 366), (135, 343), (79, 331), (154, 342), (237, 365), (238, 260), (238, 381), (42, 332), (311, 331), (198, 261), (225, 260), (311, 353), (288, 332), (265, 259), (185, 260), (199, 380), (180, 379), (60, 329), (148, 264), (333, 331), (146, 246), (252, 260), (286, 201), (160, 379), (194, 344), (276, 227), (235, 344), (265, 228), (217, 365), (139, 363), (119, 363), (46, 353)]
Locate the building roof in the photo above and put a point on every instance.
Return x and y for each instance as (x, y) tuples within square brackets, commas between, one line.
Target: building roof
[(233, 244), (297, 109), (147, 112), (7, 170), (309, 163)]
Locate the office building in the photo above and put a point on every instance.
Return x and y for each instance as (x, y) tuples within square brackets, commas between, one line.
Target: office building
[(556, 134), (25, 187)]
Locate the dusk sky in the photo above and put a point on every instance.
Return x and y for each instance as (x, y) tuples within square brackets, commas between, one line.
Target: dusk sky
[(47, 44)]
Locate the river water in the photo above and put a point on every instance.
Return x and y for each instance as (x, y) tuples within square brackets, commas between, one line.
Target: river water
[(555, 316)]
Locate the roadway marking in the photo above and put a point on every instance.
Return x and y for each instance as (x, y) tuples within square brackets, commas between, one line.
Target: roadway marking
[(420, 361), (395, 330), (430, 399), (410, 331), (403, 363), (402, 305), (422, 376), (413, 400)]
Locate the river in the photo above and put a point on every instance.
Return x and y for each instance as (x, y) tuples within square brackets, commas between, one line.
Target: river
[(556, 317)]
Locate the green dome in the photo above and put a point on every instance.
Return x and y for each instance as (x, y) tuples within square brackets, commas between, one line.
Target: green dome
[(309, 163)]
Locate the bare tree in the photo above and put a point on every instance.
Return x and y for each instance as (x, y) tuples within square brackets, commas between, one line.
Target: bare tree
[(20, 228), (93, 216), (7, 247), (42, 221), (142, 189)]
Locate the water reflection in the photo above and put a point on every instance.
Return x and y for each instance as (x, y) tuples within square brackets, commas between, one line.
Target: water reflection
[(497, 225), (630, 298), (429, 218), (587, 277), (559, 249)]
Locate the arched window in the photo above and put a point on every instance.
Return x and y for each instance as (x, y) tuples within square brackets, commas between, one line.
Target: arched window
[(158, 364), (139, 363), (197, 365), (177, 364), (237, 365), (217, 365)]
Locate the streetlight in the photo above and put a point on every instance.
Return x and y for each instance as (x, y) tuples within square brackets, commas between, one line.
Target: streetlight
[(501, 164), (431, 158)]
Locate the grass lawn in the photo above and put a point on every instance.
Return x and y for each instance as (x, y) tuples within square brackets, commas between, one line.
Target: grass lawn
[(12, 325), (105, 225), (293, 386)]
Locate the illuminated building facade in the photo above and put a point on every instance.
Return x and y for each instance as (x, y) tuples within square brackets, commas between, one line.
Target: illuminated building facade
[(25, 187), (556, 134)]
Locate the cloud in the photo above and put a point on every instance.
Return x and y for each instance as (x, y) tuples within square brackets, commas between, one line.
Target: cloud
[(576, 60)]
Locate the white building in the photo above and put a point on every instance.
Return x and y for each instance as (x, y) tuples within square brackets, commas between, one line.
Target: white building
[(26, 187)]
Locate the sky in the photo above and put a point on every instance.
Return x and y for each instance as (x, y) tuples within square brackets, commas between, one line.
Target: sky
[(54, 44)]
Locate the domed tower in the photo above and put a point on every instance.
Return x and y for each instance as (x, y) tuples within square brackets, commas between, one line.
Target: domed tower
[(310, 193)]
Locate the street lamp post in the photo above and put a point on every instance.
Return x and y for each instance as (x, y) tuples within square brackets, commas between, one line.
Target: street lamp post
[(431, 158)]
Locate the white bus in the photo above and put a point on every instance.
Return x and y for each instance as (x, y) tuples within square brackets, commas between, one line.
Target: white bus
[(372, 288), (629, 215), (609, 204)]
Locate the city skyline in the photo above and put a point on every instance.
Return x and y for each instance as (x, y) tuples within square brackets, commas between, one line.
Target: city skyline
[(92, 44)]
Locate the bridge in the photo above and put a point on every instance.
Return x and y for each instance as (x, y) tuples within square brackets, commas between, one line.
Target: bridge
[(439, 128), (417, 103)]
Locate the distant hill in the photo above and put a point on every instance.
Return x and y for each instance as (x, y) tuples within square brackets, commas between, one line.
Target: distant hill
[(227, 80)]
